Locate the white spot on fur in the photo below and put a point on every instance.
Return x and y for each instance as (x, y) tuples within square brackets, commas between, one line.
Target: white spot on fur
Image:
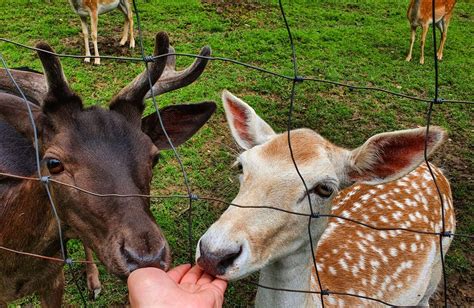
[(393, 252)]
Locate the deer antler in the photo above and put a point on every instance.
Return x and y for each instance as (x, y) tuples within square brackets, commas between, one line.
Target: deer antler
[(31, 83), (171, 79), (130, 100)]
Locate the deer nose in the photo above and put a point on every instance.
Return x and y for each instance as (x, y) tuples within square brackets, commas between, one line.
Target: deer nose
[(217, 262), (148, 255)]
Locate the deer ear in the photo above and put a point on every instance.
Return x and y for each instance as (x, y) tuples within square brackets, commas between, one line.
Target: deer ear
[(389, 156), (59, 94), (247, 128), (180, 121)]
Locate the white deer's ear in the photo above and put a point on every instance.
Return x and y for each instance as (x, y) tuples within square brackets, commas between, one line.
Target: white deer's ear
[(247, 128), (389, 156)]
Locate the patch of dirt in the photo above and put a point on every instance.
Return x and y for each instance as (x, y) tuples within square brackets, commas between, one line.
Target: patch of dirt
[(226, 7), (108, 45)]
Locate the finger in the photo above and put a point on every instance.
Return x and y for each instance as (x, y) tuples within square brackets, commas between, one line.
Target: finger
[(205, 278), (178, 272), (193, 275), (220, 284)]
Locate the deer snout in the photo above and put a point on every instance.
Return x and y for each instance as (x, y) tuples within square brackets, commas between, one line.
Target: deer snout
[(217, 262), (145, 251)]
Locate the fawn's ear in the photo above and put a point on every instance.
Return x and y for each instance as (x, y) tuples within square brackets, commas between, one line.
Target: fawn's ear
[(181, 122), (247, 128), (389, 156)]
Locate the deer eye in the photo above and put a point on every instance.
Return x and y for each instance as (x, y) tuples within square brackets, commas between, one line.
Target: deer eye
[(54, 165), (323, 190)]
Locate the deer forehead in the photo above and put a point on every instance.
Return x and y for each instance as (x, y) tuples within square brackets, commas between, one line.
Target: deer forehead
[(308, 147)]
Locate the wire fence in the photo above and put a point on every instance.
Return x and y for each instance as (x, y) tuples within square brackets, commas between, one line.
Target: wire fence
[(295, 79)]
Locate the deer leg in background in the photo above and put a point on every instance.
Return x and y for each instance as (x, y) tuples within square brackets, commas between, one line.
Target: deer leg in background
[(92, 273), (124, 6), (444, 35), (94, 21), (412, 42), (85, 32), (52, 295), (423, 39)]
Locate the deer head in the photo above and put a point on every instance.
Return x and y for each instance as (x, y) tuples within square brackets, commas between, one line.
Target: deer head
[(244, 240), (106, 151)]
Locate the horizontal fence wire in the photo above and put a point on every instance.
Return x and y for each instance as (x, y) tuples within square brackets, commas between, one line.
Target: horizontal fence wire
[(295, 79)]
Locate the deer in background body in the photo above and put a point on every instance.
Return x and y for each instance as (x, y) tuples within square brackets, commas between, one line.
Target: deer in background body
[(381, 183), (101, 150), (94, 8), (420, 13)]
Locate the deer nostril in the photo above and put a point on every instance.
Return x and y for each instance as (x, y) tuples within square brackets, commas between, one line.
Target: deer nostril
[(216, 263), (227, 260), (135, 257)]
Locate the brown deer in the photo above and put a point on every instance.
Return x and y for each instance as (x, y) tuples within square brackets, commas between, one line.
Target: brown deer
[(420, 13), (380, 184), (101, 150), (94, 8)]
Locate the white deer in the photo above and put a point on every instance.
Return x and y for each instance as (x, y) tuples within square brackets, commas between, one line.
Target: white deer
[(381, 183)]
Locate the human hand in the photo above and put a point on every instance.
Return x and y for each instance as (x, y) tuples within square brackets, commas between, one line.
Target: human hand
[(182, 286)]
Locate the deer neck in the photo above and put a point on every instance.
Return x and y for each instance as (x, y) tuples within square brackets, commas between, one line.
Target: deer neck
[(291, 272), (31, 215)]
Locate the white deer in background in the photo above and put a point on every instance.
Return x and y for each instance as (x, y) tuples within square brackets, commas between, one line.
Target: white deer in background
[(381, 183), (94, 8)]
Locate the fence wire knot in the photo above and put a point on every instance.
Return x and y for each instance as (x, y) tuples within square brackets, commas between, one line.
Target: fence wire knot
[(148, 59), (45, 179), (68, 261), (298, 79), (315, 215), (325, 292), (438, 101), (193, 197), (446, 234)]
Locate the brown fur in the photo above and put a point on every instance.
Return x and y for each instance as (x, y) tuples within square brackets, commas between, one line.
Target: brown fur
[(103, 151)]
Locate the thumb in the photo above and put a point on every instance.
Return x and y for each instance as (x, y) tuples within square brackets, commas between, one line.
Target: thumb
[(144, 285)]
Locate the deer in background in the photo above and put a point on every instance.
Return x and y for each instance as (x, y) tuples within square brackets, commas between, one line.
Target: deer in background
[(94, 8), (381, 183), (101, 150), (420, 13)]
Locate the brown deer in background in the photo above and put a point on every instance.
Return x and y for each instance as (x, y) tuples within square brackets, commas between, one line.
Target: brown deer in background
[(94, 8), (384, 183), (102, 150), (420, 13)]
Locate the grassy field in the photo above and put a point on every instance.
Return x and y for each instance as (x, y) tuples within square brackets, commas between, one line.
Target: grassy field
[(359, 42)]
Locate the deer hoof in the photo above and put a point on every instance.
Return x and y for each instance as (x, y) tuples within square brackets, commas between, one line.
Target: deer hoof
[(422, 61), (408, 59), (97, 61), (87, 60), (132, 44), (122, 42)]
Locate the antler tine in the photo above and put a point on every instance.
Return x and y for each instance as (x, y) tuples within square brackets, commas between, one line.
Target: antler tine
[(130, 98), (171, 79), (32, 84)]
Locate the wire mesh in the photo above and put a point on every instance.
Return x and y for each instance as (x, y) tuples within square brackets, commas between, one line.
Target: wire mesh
[(295, 80)]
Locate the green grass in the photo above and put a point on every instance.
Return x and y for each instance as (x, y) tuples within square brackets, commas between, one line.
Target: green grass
[(359, 42)]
